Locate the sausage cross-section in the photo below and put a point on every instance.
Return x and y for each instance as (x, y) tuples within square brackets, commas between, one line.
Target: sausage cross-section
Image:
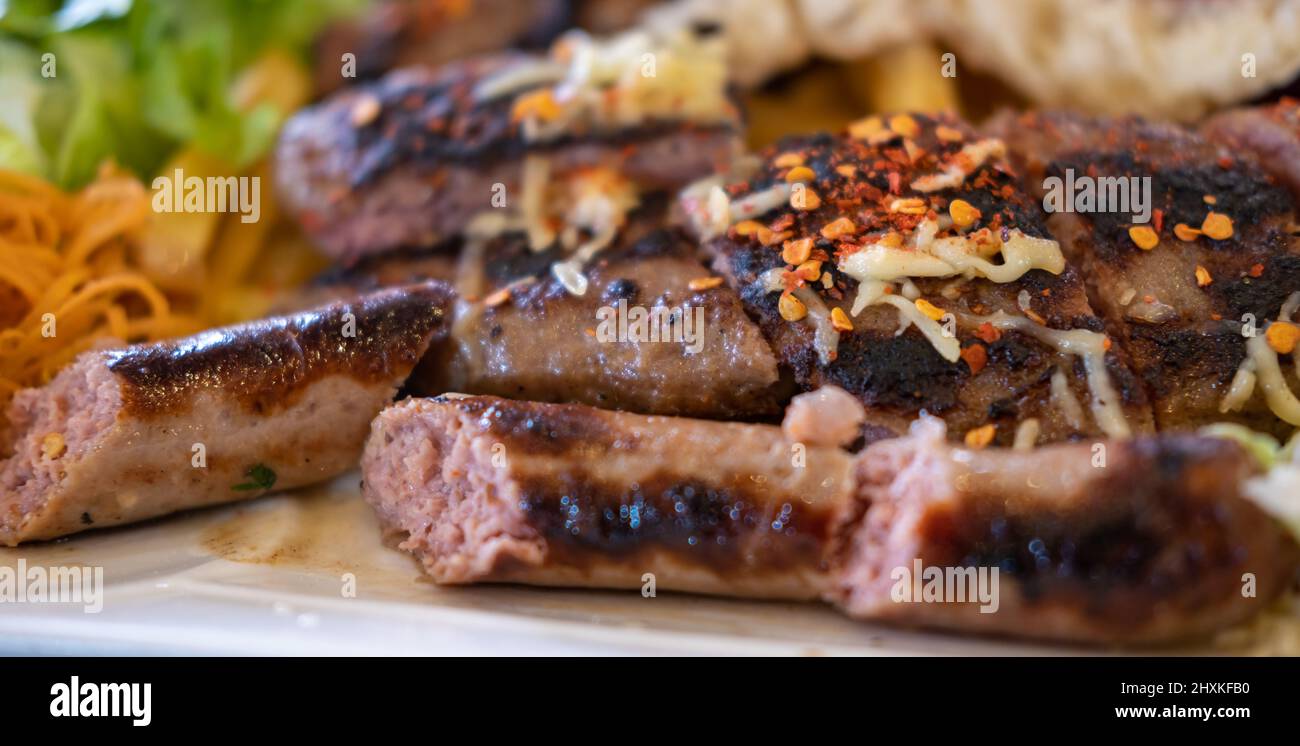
[(128, 434), (483, 489), (1137, 541)]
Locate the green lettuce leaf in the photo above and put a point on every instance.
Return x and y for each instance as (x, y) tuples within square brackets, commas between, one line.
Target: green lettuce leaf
[(137, 80)]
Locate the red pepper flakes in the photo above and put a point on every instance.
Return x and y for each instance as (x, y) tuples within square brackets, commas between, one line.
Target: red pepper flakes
[(988, 333), (782, 223), (976, 357), (1217, 226), (1283, 337), (1203, 276), (1257, 270), (840, 320)]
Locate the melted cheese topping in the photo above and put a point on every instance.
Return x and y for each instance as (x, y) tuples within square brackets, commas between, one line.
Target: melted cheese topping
[(590, 204), (1262, 368), (1269, 370), (946, 344), (1065, 401), (1091, 347), (972, 156), (826, 338), (877, 265), (624, 80), (1026, 435), (535, 176), (1242, 388), (954, 256)]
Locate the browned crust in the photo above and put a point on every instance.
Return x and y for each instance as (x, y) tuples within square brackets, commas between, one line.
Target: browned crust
[(266, 365), (1187, 362), (711, 521), (1149, 548), (897, 376), (1268, 134), (707, 507), (543, 343), (537, 428)]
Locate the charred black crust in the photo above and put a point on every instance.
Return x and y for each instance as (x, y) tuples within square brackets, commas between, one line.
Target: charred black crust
[(1169, 356), (1160, 528), (1178, 188), (266, 365), (536, 428), (902, 371), (722, 525), (1263, 295), (428, 120), (373, 272), (508, 258)]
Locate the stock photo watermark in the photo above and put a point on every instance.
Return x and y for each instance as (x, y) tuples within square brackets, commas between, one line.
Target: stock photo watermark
[(625, 323), (37, 584)]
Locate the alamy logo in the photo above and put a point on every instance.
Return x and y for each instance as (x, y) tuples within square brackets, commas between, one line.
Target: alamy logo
[(935, 585), (181, 193), (679, 324), (1127, 195), (53, 585), (75, 699)]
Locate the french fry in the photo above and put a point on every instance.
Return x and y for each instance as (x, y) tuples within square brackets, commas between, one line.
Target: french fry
[(812, 100), (905, 78)]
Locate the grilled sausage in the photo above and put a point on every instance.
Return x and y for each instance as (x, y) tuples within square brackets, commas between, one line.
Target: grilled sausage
[(641, 338), (128, 434), (645, 337), (1140, 541), (482, 489), (1270, 133), (1146, 541)]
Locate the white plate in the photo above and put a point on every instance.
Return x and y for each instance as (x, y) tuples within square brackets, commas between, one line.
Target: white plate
[(268, 577)]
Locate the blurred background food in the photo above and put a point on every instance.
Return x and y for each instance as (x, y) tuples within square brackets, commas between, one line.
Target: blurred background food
[(98, 97)]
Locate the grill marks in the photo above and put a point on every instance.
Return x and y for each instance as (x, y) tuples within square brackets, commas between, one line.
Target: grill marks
[(409, 159), (1178, 308), (899, 375)]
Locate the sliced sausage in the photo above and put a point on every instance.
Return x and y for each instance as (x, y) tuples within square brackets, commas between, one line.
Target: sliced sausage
[(128, 434)]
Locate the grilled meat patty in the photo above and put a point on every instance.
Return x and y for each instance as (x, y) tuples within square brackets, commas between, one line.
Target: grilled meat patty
[(1217, 260), (997, 352), (128, 434), (411, 159), (483, 489)]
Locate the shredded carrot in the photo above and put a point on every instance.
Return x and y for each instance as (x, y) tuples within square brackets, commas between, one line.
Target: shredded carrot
[(66, 279)]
